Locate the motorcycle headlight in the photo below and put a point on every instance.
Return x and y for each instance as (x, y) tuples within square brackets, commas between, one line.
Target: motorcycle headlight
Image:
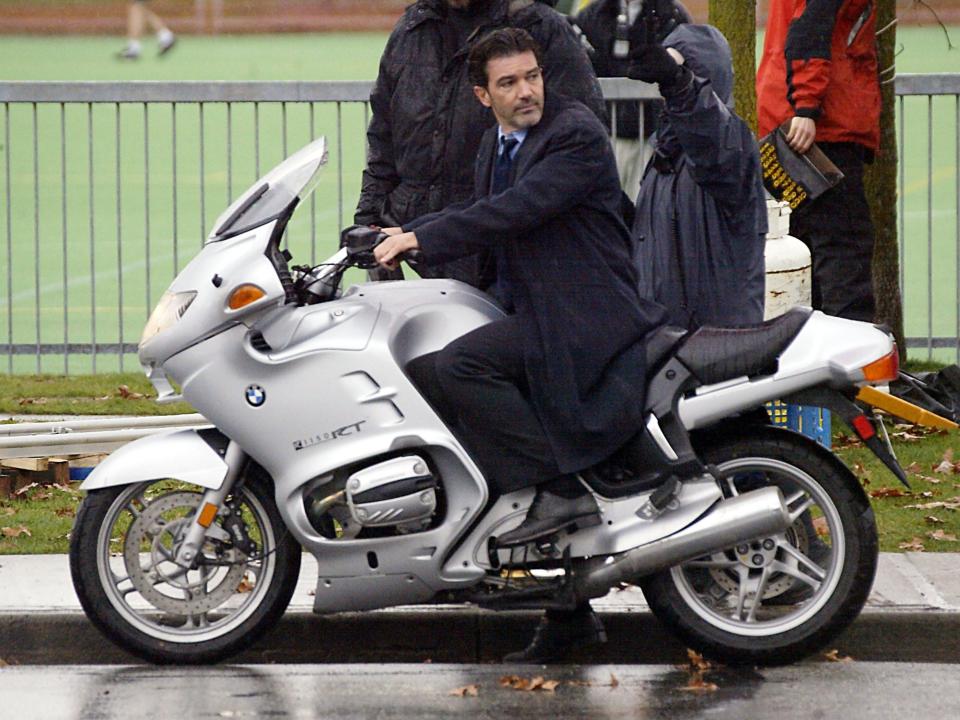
[(169, 310)]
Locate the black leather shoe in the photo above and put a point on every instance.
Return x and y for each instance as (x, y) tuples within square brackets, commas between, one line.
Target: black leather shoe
[(550, 513), (558, 634)]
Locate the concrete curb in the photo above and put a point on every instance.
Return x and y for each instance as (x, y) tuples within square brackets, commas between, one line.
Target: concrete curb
[(912, 615), (464, 636)]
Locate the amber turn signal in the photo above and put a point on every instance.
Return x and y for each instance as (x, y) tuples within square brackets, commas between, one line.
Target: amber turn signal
[(244, 295), (885, 369)]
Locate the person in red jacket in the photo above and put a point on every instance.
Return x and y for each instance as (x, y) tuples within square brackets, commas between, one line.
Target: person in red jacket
[(819, 72)]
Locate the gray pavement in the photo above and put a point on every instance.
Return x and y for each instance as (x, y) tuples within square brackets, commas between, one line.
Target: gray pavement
[(912, 615), (805, 691)]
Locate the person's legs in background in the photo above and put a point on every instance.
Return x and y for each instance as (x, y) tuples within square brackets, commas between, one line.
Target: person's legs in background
[(839, 232), (138, 17)]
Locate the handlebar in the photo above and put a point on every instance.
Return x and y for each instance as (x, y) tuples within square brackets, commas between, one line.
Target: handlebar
[(357, 242), (360, 241)]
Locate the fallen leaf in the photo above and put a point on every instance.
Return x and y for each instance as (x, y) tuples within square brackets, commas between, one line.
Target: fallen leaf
[(834, 656), (465, 691), (906, 436), (7, 511), (42, 496), (929, 479), (821, 525), (949, 504), (942, 536), (888, 492), (128, 394), (933, 520), (4, 663), (847, 441), (25, 489), (948, 454), (698, 684), (613, 681), (528, 684), (915, 545), (944, 468), (12, 532), (913, 467), (32, 401), (245, 585), (65, 512), (697, 661)]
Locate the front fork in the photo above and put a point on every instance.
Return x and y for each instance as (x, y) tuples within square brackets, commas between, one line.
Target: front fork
[(235, 458)]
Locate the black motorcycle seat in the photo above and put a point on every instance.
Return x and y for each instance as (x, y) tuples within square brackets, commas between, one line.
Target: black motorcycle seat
[(717, 354), (659, 344)]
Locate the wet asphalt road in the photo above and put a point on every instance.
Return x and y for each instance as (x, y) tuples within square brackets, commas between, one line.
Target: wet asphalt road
[(819, 690)]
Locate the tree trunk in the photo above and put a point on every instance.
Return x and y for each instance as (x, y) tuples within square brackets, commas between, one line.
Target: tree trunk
[(880, 180), (737, 20)]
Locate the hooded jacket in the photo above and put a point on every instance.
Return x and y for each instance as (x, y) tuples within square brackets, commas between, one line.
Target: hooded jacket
[(427, 124), (701, 215), (820, 61)]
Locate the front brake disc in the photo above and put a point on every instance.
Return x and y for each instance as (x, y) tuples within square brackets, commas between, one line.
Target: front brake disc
[(154, 537)]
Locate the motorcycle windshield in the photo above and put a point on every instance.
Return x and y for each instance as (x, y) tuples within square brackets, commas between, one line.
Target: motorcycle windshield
[(293, 179)]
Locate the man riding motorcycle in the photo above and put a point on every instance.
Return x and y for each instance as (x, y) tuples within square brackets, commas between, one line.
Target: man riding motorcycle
[(551, 389)]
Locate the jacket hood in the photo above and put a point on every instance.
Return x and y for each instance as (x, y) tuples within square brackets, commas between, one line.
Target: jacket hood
[(707, 54)]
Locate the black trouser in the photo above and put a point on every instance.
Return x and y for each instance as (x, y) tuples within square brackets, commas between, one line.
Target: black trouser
[(483, 396), (839, 232)]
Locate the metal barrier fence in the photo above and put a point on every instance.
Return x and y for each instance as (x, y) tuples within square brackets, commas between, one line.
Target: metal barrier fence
[(108, 189), (928, 129)]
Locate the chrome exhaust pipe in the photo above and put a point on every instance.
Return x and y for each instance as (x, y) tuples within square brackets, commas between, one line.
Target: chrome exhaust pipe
[(745, 517)]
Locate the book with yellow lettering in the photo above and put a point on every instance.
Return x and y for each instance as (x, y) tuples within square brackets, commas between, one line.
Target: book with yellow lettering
[(792, 177)]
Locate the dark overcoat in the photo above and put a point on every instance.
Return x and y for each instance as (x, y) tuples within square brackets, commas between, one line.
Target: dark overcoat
[(565, 257), (427, 124)]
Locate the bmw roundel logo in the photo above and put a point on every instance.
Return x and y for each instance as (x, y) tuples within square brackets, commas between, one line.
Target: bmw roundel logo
[(256, 395)]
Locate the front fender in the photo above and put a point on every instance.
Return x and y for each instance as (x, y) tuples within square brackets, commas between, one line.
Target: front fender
[(179, 455)]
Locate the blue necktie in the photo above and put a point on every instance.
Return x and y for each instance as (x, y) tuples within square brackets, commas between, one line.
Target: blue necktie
[(501, 168)]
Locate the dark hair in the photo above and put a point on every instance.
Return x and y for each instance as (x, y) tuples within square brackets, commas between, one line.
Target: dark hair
[(504, 42)]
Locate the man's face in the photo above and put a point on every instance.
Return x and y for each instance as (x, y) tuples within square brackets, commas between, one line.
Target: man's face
[(459, 4), (514, 91)]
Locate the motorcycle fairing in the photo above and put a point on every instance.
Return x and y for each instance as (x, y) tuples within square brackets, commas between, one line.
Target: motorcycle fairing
[(178, 455)]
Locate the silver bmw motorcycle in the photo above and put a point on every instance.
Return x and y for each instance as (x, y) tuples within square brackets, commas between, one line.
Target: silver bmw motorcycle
[(752, 543)]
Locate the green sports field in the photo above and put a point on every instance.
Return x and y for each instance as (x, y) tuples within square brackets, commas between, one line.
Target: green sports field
[(65, 273)]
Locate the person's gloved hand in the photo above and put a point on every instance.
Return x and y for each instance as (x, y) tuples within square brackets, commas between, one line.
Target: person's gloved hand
[(638, 35), (654, 64)]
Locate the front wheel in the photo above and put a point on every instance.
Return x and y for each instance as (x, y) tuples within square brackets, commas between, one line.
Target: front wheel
[(774, 600), (121, 559)]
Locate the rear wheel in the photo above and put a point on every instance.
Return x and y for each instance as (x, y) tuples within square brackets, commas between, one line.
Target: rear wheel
[(121, 559), (776, 599)]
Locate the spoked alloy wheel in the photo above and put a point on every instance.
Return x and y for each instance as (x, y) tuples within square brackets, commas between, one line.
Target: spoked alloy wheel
[(777, 598), (122, 560)]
